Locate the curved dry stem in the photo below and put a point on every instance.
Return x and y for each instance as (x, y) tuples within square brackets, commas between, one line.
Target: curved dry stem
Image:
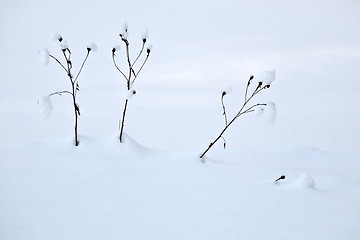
[(142, 49), (116, 66), (82, 66), (58, 62)]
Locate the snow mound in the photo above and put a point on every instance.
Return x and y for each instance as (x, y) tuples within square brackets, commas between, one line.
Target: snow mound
[(305, 181)]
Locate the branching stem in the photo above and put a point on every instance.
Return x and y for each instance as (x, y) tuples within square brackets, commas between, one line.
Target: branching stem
[(241, 112)]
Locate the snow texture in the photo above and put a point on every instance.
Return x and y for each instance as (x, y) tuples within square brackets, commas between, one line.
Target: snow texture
[(44, 57), (267, 77), (45, 106)]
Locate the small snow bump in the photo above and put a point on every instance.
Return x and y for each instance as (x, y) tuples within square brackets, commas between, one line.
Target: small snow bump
[(305, 181)]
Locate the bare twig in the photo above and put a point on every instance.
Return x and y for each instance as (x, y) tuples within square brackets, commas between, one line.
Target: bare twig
[(58, 62), (242, 111), (59, 93), (132, 74)]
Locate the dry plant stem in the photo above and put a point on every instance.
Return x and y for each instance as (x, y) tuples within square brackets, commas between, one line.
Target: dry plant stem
[(241, 112), (74, 86), (130, 79), (123, 120), (224, 113)]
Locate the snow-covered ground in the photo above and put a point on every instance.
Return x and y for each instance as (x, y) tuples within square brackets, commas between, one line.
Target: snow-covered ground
[(50, 189)]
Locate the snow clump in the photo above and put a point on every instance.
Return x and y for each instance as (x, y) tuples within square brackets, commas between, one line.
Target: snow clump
[(130, 93), (228, 90), (44, 57), (267, 77), (271, 112), (116, 48), (124, 31), (92, 47), (305, 181), (45, 106), (145, 35), (149, 48), (57, 37)]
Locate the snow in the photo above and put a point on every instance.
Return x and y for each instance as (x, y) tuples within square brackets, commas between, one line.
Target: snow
[(305, 181), (124, 31), (154, 186), (149, 48), (271, 113), (107, 190), (227, 90), (130, 93), (116, 48), (56, 37), (44, 57), (93, 47), (45, 106), (64, 44), (145, 35), (267, 77)]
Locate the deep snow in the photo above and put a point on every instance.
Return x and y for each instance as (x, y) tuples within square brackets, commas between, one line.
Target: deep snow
[(105, 190)]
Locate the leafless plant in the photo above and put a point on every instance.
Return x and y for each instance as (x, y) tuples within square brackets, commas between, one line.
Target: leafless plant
[(131, 74), (74, 79), (245, 108)]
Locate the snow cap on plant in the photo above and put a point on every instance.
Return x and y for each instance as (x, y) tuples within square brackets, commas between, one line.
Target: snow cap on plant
[(149, 48), (271, 112), (64, 45), (44, 57), (145, 35), (57, 37), (115, 48), (227, 90), (130, 93), (124, 31), (267, 77), (92, 47)]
